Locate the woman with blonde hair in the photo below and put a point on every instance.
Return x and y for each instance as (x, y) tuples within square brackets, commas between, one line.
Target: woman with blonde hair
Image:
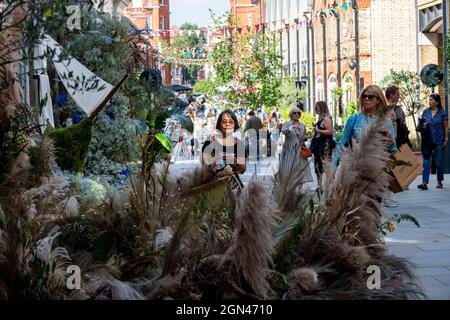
[(370, 102), (322, 143)]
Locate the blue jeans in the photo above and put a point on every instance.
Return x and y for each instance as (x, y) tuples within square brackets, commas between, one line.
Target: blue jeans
[(439, 160)]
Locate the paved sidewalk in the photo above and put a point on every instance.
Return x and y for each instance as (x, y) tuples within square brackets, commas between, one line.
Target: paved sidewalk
[(428, 247)]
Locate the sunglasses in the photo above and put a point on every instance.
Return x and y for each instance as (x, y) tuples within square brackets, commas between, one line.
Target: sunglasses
[(295, 113), (368, 96)]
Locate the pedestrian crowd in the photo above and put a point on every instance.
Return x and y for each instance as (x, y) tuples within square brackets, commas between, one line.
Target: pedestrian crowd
[(241, 136)]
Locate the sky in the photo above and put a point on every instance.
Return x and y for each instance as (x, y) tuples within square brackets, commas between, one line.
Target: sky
[(196, 11)]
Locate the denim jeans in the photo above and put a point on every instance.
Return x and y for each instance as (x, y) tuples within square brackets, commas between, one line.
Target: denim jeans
[(439, 160)]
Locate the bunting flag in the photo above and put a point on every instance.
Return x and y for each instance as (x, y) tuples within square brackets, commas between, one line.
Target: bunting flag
[(197, 32)]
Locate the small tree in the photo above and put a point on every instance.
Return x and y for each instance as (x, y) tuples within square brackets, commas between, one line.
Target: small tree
[(207, 86), (246, 68), (412, 92)]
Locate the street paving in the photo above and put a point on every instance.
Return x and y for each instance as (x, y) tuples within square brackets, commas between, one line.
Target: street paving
[(427, 247)]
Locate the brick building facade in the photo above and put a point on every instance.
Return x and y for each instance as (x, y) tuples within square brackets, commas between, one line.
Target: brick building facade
[(248, 12), (156, 15), (387, 39)]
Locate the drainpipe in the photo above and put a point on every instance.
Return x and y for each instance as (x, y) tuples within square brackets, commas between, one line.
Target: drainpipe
[(313, 65), (324, 42), (356, 16), (308, 57)]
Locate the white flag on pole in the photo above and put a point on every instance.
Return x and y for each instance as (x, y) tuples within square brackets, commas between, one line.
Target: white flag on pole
[(86, 89)]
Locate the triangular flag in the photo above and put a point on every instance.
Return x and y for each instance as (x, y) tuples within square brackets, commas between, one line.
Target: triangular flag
[(257, 27), (239, 30), (249, 28), (274, 23), (344, 6), (197, 32)]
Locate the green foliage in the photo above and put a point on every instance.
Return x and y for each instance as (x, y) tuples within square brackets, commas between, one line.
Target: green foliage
[(415, 144), (351, 108), (413, 95), (101, 44), (72, 144), (308, 119), (41, 157), (390, 224), (207, 86), (247, 70), (290, 94), (144, 99)]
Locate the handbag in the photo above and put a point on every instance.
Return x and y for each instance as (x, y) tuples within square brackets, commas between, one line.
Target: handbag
[(305, 152)]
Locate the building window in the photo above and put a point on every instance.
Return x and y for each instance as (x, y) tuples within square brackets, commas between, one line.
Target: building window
[(162, 23), (347, 87), (161, 2), (150, 21), (330, 95), (319, 88), (249, 19), (137, 4)]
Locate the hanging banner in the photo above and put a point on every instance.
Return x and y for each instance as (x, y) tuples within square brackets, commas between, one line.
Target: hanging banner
[(86, 88)]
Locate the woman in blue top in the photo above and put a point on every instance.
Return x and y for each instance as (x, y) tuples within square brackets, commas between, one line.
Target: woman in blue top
[(436, 119), (371, 99)]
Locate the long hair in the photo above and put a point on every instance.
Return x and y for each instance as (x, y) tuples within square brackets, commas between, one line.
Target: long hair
[(376, 91), (232, 116), (436, 97), (323, 109)]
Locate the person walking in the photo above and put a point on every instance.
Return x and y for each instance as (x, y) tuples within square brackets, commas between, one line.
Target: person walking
[(224, 149), (434, 119), (294, 129), (371, 100), (398, 118), (392, 98), (252, 128), (322, 143)]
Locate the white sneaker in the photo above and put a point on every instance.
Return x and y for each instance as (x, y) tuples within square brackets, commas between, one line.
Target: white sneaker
[(390, 203)]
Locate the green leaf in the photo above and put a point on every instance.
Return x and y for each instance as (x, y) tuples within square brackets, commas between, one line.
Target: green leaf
[(164, 140)]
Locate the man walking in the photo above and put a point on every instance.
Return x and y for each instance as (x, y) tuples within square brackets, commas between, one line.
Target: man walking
[(392, 97), (254, 124), (398, 117)]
